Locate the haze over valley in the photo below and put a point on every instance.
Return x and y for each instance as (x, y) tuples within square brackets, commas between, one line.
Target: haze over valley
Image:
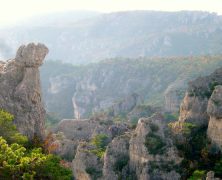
[(111, 95)]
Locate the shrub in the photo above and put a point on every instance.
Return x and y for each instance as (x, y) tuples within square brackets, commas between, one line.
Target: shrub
[(197, 175), (154, 144), (8, 129), (93, 172), (22, 160), (154, 127), (100, 142), (16, 162), (218, 168), (122, 161)]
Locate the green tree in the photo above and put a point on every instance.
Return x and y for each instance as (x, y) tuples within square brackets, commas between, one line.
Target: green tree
[(16, 162), (8, 129), (100, 142)]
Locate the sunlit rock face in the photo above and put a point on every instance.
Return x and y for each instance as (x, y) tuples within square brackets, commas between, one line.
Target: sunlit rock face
[(20, 91)]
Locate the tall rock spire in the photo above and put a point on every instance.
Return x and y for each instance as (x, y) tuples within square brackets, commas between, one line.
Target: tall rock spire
[(20, 91)]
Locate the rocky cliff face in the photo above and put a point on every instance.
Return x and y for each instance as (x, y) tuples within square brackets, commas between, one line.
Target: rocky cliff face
[(202, 107), (194, 106), (83, 90), (146, 160), (117, 154), (20, 91), (214, 110), (143, 153)]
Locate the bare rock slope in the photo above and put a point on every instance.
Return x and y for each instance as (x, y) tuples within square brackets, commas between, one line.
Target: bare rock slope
[(20, 91)]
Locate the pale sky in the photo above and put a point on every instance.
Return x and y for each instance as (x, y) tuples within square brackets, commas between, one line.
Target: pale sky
[(12, 11)]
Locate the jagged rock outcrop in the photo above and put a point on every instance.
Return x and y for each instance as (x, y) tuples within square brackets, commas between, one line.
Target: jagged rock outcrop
[(214, 110), (86, 165), (75, 131), (126, 105), (116, 158), (194, 106), (210, 176), (20, 91), (173, 96), (146, 160)]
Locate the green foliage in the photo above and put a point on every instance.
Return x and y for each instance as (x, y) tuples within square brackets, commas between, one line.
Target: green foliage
[(212, 85), (51, 119), (154, 127), (51, 169), (197, 175), (122, 161), (171, 116), (100, 142), (16, 162), (94, 173), (165, 166), (8, 129), (133, 122), (197, 151), (145, 71), (187, 127), (154, 144), (218, 168)]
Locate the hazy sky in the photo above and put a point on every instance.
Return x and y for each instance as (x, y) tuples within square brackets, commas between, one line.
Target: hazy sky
[(12, 11)]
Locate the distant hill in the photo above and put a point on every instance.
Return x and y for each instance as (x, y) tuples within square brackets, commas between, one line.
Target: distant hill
[(122, 34), (94, 87)]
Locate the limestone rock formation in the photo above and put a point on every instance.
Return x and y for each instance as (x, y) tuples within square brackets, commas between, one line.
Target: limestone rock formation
[(20, 91), (214, 110), (126, 105), (194, 106), (86, 165), (173, 95), (143, 159), (73, 132), (210, 176), (116, 158)]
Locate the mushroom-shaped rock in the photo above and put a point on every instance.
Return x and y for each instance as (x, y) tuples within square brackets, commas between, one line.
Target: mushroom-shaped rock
[(31, 55)]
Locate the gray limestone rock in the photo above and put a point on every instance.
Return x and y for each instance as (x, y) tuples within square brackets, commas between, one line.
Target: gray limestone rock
[(20, 91), (214, 110)]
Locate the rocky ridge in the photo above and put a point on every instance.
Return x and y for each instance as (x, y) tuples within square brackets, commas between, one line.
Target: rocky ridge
[(80, 91), (128, 153), (20, 90)]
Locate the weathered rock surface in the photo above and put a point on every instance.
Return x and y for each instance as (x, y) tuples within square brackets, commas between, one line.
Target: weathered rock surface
[(214, 110), (86, 165), (92, 88), (142, 162), (126, 105), (173, 96), (75, 131), (194, 106), (210, 176), (20, 91), (117, 153)]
